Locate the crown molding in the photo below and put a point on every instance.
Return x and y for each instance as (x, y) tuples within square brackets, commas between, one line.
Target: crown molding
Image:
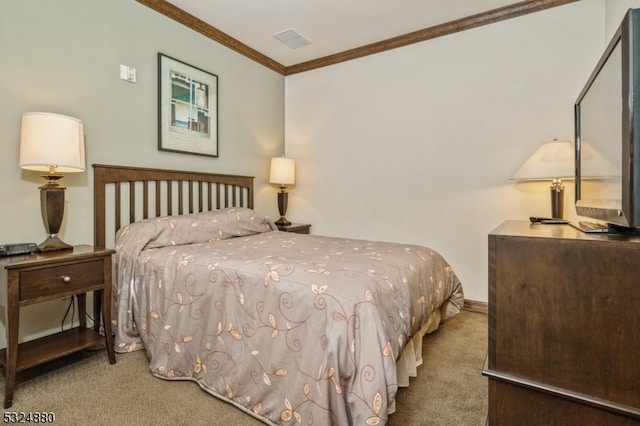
[(198, 25), (458, 25)]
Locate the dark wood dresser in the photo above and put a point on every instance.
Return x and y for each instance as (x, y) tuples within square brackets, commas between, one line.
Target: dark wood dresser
[(564, 327)]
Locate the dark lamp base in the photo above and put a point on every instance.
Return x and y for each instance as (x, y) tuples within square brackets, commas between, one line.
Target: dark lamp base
[(52, 207), (53, 243), (557, 202), (282, 222), (283, 198)]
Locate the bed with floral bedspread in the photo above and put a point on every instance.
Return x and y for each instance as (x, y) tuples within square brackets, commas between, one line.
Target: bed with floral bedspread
[(291, 328)]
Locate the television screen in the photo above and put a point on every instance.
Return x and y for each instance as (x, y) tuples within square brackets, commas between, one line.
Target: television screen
[(607, 145), (601, 136)]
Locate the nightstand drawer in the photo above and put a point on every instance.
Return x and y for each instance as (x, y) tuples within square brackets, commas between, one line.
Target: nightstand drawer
[(60, 279)]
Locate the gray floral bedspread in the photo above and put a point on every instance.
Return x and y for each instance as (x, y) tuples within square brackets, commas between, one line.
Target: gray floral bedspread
[(291, 328)]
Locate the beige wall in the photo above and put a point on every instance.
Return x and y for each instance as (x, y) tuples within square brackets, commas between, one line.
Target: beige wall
[(418, 144), (64, 56), (615, 10)]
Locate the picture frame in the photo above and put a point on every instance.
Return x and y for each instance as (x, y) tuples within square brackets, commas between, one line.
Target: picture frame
[(187, 108)]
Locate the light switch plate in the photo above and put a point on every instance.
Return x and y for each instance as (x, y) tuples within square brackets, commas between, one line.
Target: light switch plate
[(128, 73)]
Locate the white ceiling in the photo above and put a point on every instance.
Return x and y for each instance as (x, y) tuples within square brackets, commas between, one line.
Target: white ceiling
[(332, 26)]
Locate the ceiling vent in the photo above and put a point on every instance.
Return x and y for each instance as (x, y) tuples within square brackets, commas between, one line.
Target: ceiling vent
[(292, 38)]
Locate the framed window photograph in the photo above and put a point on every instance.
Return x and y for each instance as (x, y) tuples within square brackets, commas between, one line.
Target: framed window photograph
[(187, 108)]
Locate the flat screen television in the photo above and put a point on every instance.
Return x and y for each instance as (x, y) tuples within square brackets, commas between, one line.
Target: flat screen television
[(607, 119)]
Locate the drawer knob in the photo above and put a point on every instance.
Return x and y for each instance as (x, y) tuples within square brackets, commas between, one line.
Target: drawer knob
[(66, 278)]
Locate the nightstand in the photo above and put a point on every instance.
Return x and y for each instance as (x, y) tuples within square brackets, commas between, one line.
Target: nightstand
[(298, 228), (40, 277)]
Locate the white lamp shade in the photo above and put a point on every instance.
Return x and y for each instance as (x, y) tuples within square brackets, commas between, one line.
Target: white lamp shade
[(556, 160), (553, 160), (283, 171), (48, 139)]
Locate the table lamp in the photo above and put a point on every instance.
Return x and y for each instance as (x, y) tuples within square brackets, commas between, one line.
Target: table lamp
[(555, 161), (552, 161), (283, 173), (54, 144)]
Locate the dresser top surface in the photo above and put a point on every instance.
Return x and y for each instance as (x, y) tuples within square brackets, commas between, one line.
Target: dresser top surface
[(524, 228)]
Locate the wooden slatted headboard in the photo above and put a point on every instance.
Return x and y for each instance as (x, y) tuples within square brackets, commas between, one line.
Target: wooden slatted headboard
[(135, 193)]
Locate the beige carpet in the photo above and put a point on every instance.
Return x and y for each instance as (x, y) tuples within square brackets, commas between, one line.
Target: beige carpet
[(85, 389)]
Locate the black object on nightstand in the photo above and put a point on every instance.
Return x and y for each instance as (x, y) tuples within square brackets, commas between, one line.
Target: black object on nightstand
[(298, 228), (17, 248), (34, 278)]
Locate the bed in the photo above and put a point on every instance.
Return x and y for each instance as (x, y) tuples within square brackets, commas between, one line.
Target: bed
[(291, 328)]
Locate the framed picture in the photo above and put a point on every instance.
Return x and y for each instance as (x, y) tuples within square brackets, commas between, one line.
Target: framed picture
[(187, 108)]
